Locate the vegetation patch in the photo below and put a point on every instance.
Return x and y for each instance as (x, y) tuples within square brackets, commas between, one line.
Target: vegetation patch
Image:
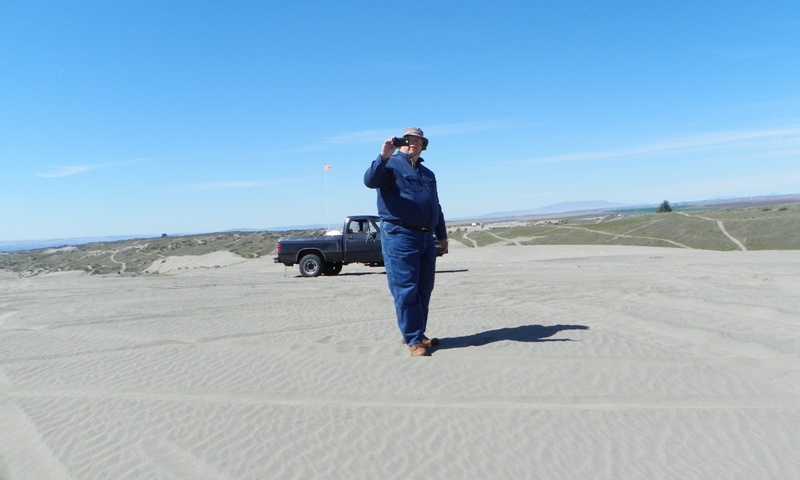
[(763, 227), (132, 257)]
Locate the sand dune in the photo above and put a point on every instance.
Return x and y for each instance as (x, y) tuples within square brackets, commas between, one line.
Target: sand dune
[(562, 362), (188, 262)]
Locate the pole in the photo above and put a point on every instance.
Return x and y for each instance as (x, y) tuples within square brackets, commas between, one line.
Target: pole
[(327, 208)]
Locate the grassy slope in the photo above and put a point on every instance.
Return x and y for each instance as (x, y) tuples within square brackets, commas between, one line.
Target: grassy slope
[(757, 228), (137, 255)]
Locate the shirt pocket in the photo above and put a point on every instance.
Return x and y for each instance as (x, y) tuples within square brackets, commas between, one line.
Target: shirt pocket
[(413, 183)]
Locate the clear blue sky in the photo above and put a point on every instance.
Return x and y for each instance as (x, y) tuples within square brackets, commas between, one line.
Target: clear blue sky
[(149, 117)]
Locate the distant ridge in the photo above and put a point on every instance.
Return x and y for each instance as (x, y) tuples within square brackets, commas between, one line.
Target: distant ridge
[(747, 201), (15, 246), (22, 245), (602, 205), (564, 207), (558, 208)]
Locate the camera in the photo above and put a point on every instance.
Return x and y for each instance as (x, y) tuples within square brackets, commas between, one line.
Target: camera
[(399, 142)]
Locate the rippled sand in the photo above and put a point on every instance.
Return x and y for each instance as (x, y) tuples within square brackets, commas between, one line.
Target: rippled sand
[(555, 362)]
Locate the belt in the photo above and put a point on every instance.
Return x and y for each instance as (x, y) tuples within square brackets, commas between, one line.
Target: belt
[(419, 229)]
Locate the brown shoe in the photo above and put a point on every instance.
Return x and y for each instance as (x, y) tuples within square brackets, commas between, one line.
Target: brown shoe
[(418, 350), (430, 342)]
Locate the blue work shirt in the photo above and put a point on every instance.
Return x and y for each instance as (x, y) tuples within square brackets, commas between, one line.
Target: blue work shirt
[(407, 195)]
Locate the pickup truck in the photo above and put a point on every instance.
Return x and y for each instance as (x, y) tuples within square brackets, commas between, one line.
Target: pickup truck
[(359, 242)]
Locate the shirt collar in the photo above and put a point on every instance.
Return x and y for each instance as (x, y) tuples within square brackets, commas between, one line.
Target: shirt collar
[(407, 157)]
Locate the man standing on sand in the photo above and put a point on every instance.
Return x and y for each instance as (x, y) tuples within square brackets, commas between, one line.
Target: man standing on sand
[(408, 204)]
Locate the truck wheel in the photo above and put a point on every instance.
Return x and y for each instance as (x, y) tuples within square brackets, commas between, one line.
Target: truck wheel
[(332, 268), (311, 266)]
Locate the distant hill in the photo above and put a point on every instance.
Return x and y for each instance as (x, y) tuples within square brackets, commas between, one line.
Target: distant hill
[(22, 245), (565, 208), (766, 227), (134, 256), (19, 245), (577, 207), (772, 226), (747, 201)]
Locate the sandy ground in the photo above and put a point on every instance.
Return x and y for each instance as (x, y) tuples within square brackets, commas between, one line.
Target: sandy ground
[(561, 362)]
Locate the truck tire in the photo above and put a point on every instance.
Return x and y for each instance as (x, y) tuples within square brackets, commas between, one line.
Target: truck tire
[(311, 265), (332, 268)]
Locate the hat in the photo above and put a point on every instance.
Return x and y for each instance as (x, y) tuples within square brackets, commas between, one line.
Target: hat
[(416, 132)]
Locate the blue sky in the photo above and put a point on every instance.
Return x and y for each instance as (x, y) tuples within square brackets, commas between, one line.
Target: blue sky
[(150, 117)]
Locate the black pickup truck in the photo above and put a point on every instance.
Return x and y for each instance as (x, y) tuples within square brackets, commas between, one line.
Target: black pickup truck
[(359, 242)]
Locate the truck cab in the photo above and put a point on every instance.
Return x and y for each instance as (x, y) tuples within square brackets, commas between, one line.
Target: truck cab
[(362, 239)]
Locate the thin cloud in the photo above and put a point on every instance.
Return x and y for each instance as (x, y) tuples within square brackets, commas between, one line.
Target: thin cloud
[(363, 136), (787, 139), (372, 135), (773, 182), (366, 136), (735, 186), (470, 127), (68, 170)]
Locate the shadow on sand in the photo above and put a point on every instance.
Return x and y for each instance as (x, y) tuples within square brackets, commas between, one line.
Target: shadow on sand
[(383, 272), (524, 333)]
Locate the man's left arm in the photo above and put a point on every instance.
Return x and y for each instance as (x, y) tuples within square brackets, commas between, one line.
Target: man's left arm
[(441, 231)]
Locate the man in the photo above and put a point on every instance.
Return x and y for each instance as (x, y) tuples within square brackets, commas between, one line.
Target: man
[(408, 204)]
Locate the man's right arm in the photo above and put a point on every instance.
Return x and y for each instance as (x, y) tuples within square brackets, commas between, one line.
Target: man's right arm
[(376, 174), (387, 149)]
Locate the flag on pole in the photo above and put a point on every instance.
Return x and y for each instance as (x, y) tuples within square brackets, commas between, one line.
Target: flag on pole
[(327, 167)]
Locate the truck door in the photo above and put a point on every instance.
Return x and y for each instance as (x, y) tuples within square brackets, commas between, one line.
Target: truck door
[(362, 242)]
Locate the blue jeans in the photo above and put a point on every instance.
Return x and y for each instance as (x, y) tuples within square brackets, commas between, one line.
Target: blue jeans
[(410, 260)]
